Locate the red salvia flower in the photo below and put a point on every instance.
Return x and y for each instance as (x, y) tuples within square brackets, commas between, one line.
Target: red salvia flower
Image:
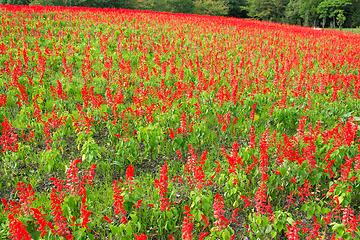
[(292, 232), (221, 222), (41, 220), (205, 220), (85, 214), (107, 219), (162, 184), (352, 225), (234, 214), (203, 235), (247, 202), (304, 191), (140, 237), (57, 198), (26, 197), (187, 225), (18, 229), (3, 100), (252, 136), (73, 180), (118, 199), (183, 125), (138, 205)]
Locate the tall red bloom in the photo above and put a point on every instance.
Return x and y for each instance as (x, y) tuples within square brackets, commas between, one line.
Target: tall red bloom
[(73, 180), (162, 184), (292, 231), (26, 195), (57, 198), (118, 199), (18, 229), (41, 220), (221, 222), (187, 224)]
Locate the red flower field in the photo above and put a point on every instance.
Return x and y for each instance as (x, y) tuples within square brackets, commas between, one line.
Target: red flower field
[(119, 124)]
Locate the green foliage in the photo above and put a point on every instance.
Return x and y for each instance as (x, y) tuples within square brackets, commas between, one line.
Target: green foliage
[(14, 2), (308, 11), (106, 3), (340, 18), (154, 5), (292, 12), (331, 7), (68, 3), (236, 8), (181, 6), (211, 7), (271, 10)]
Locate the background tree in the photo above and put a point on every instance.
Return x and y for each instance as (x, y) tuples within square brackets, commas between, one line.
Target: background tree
[(332, 8), (236, 8), (292, 12), (154, 5), (272, 10), (353, 13), (182, 6), (308, 12), (340, 18), (211, 7), (14, 2)]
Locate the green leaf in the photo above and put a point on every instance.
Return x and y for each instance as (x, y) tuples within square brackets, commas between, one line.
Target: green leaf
[(310, 211), (336, 226), (258, 221), (265, 221), (169, 214), (356, 119), (304, 207), (34, 235), (280, 227), (325, 210), (50, 165), (226, 234), (273, 234), (78, 234), (290, 220), (129, 229), (268, 229), (134, 218), (198, 216), (250, 217)]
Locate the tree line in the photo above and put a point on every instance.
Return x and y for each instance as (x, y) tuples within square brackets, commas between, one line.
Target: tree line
[(317, 13)]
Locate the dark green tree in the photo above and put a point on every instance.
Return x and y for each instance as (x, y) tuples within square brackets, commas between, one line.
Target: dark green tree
[(236, 8), (272, 10), (308, 12), (211, 7), (154, 5), (181, 6), (331, 8), (340, 18), (292, 12), (14, 2)]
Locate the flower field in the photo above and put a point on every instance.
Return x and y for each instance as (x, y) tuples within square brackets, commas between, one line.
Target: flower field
[(119, 124)]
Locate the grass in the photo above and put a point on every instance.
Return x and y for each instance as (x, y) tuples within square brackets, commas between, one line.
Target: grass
[(354, 30)]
